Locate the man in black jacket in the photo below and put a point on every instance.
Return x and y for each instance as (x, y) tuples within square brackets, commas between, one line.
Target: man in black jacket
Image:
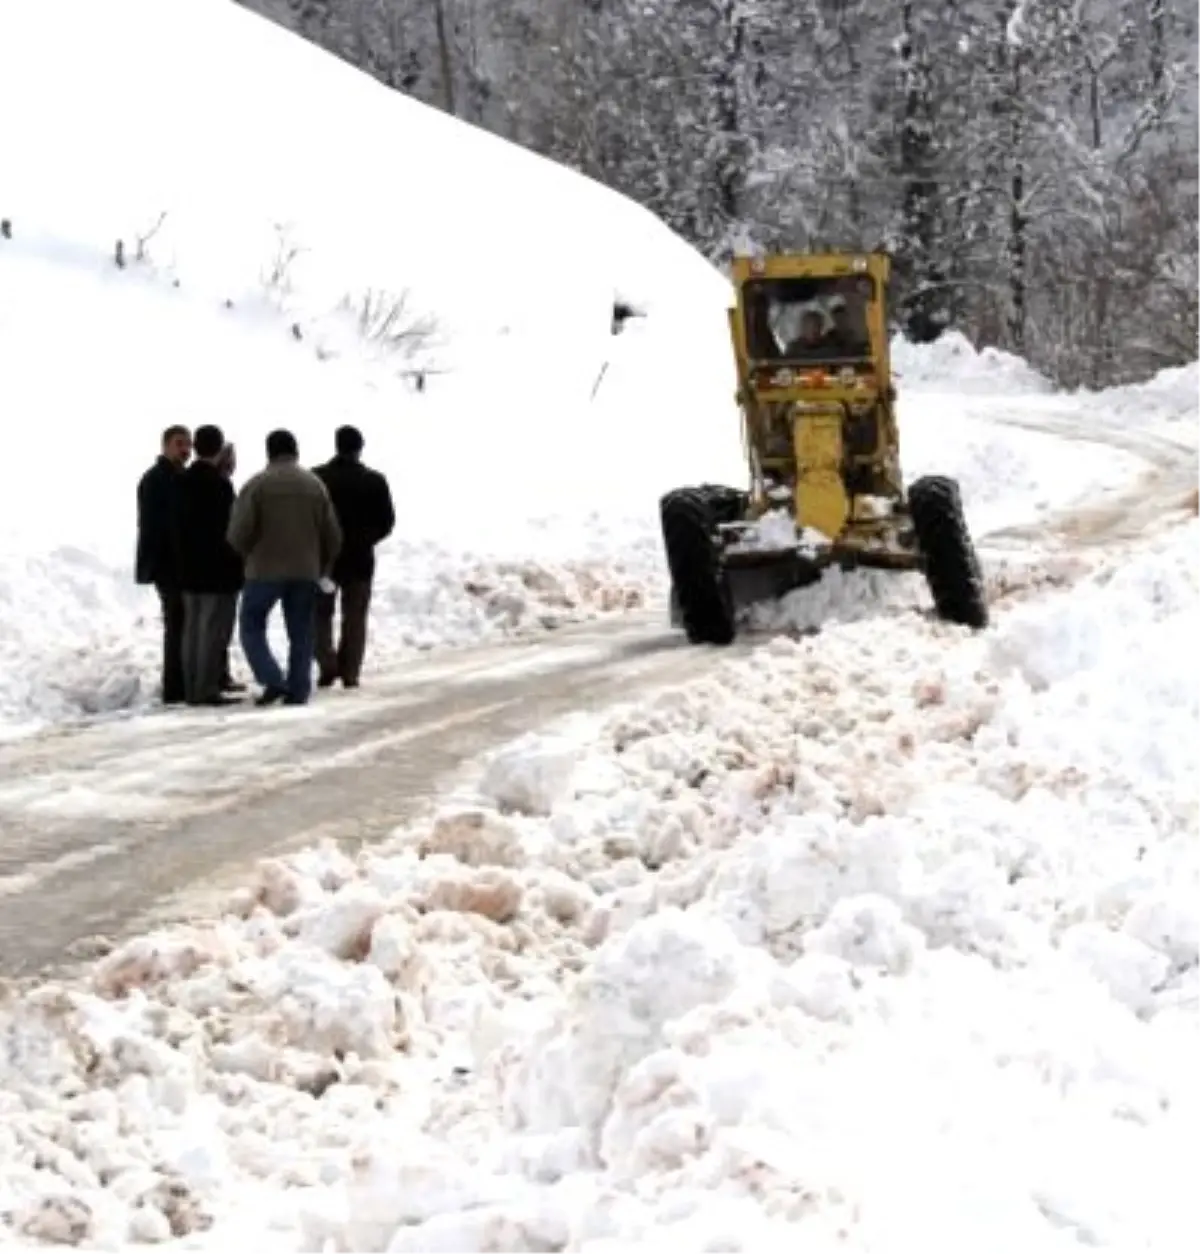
[(363, 504), (210, 572), (157, 562)]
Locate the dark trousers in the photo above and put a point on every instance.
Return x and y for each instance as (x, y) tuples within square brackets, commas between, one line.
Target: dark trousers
[(345, 661), (208, 619), (259, 598), (171, 601)]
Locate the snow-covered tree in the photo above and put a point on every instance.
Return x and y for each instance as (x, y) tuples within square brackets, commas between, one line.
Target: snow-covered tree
[(1032, 164)]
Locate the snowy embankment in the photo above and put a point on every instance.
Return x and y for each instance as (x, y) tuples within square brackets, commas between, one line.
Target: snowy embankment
[(879, 939), (301, 247)]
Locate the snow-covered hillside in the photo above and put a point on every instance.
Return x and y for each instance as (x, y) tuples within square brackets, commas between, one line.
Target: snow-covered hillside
[(526, 473), (243, 144)]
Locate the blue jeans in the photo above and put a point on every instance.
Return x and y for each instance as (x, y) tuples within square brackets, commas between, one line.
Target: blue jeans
[(259, 598)]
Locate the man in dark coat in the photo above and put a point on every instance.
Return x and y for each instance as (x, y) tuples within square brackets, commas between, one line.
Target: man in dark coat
[(227, 465), (210, 572), (284, 527), (157, 562), (363, 503)]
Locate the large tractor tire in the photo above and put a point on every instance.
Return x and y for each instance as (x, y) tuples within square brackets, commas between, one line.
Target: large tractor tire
[(699, 587), (951, 564), (726, 504)]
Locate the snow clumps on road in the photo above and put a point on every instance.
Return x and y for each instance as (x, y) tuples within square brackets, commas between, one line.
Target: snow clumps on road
[(882, 938)]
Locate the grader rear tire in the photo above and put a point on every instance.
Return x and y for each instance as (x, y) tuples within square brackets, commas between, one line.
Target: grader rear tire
[(699, 586), (951, 564)]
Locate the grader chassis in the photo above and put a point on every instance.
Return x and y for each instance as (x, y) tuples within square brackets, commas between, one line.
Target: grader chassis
[(817, 400)]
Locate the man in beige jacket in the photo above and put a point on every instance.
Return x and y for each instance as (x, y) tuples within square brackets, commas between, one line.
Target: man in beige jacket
[(284, 526)]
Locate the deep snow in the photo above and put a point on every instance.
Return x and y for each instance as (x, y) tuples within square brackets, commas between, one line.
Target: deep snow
[(874, 939), (526, 475)]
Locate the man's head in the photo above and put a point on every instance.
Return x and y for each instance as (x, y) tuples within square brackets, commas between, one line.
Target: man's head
[(177, 445), (348, 441), (281, 445), (208, 442), (839, 313), (811, 326)]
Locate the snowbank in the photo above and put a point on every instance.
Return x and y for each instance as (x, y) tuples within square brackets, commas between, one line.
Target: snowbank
[(1168, 396), (882, 939), (954, 364)]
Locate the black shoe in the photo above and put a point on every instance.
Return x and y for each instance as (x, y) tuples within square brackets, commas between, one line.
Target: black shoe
[(290, 700), (326, 679), (222, 699), (232, 685), (349, 683), (269, 696)]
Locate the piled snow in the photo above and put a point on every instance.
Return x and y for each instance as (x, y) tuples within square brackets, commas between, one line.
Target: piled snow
[(953, 363), (874, 942), (1168, 402)]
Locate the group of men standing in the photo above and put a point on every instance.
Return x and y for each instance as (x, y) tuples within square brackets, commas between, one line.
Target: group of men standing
[(291, 537)]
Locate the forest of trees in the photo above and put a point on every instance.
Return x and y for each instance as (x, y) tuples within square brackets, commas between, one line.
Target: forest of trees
[(1031, 164)]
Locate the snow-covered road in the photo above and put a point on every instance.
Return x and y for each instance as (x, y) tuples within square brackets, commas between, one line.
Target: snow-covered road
[(101, 824), (1168, 485), (108, 829)]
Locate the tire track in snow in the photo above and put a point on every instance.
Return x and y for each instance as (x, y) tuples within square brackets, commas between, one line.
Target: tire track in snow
[(97, 826), (1165, 491)]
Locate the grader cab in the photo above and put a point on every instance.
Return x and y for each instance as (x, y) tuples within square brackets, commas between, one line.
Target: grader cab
[(819, 426)]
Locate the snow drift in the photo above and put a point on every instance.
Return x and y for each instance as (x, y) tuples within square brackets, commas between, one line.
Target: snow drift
[(884, 938)]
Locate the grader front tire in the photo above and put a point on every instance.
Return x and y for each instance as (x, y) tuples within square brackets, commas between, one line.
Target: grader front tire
[(951, 565), (699, 585)]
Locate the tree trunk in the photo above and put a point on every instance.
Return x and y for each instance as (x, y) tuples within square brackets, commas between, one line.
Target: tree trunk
[(1018, 221), (921, 310), (730, 164), (1156, 12), (445, 60)]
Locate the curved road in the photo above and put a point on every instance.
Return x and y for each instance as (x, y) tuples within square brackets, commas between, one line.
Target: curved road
[(109, 829)]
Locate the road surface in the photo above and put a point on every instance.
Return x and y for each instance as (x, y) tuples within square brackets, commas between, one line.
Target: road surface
[(109, 829), (99, 827)]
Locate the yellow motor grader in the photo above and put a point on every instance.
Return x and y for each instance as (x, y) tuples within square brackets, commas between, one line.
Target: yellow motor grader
[(810, 336)]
